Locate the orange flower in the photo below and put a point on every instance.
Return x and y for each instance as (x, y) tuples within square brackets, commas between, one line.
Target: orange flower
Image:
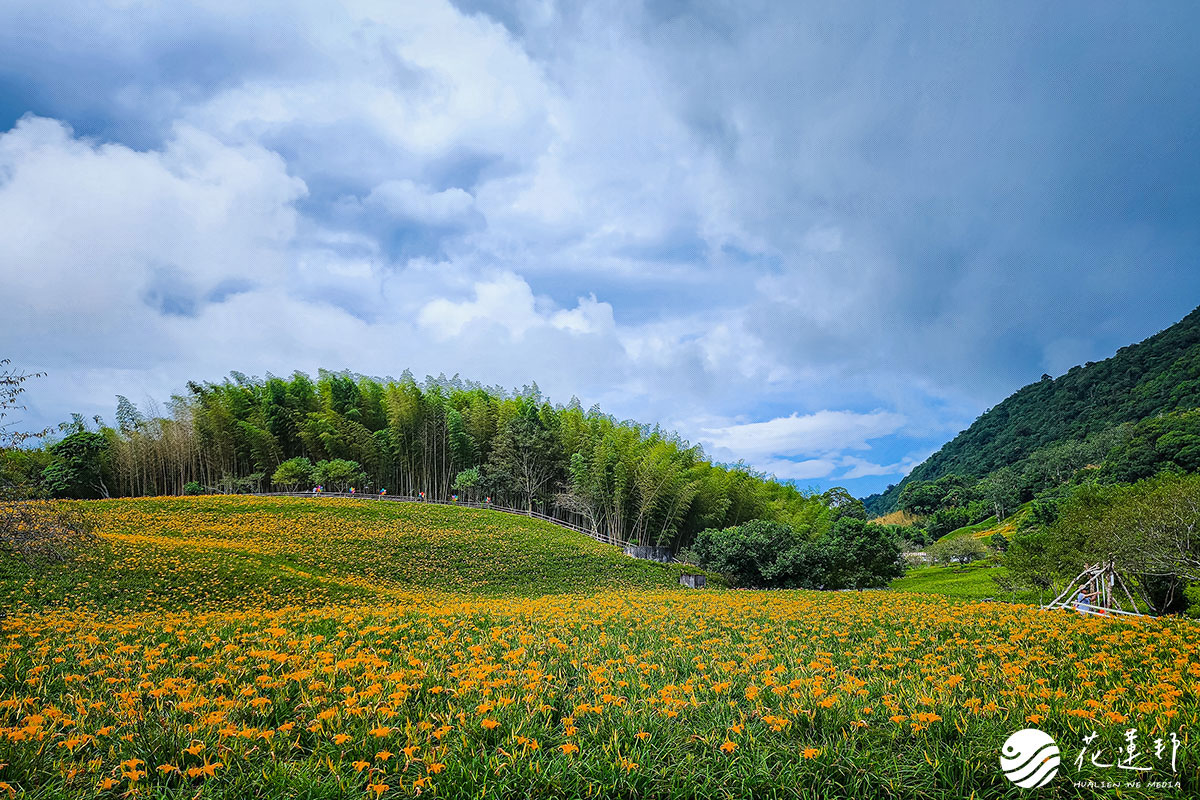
[(728, 747), (568, 748)]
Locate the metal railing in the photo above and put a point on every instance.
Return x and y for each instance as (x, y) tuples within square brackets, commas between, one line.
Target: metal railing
[(594, 534)]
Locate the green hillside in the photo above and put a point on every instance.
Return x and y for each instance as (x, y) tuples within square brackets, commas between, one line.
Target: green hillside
[(1161, 375), (228, 552)]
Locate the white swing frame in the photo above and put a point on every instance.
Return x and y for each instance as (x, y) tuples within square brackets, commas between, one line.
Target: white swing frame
[(1102, 580)]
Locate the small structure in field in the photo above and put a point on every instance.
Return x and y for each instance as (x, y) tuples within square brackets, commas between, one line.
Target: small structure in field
[(1094, 592), (663, 555), (693, 581)]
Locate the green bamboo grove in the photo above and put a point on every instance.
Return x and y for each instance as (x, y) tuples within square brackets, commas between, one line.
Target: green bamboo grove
[(444, 437)]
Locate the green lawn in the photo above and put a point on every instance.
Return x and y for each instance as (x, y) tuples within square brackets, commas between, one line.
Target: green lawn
[(969, 582)]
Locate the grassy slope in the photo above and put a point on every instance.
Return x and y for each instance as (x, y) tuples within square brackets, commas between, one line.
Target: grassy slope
[(988, 527), (233, 552), (969, 582), (324, 636), (973, 581)]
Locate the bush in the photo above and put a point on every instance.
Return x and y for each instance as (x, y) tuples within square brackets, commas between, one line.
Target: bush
[(749, 554), (946, 520), (77, 466), (340, 474), (857, 555), (193, 488), (762, 554), (39, 531), (960, 550), (294, 472), (1192, 593)]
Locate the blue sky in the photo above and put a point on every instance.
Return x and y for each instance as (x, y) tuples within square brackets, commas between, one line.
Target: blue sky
[(819, 237)]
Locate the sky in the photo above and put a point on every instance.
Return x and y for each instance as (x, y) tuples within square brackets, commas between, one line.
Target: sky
[(821, 238)]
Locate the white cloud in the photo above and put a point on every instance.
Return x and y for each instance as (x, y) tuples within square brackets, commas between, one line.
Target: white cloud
[(99, 238), (589, 316), (799, 434), (862, 468), (405, 199), (507, 303), (787, 470)]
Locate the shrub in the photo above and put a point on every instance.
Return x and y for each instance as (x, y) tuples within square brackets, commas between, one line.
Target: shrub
[(340, 474), (763, 554), (960, 550), (193, 488), (1192, 593), (749, 554), (37, 531), (294, 472), (857, 555), (946, 520)]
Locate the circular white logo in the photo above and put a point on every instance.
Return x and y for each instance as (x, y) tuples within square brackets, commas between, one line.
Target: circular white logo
[(1029, 758)]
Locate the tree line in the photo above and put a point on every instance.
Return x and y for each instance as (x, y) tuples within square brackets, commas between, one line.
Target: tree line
[(1124, 454), (445, 437)]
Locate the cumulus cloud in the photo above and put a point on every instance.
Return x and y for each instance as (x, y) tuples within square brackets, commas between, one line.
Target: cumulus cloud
[(805, 237), (406, 200), (99, 236)]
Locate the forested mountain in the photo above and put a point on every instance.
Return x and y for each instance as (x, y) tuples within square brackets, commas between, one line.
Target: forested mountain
[(444, 437), (1086, 415)]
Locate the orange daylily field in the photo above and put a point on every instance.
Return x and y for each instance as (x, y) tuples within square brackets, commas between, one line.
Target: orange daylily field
[(242, 647)]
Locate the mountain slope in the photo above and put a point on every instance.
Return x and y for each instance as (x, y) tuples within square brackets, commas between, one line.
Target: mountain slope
[(1156, 376)]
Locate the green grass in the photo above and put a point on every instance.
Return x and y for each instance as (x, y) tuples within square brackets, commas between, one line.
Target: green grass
[(984, 527), (991, 526), (293, 641), (971, 581), (965, 582), (233, 552)]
